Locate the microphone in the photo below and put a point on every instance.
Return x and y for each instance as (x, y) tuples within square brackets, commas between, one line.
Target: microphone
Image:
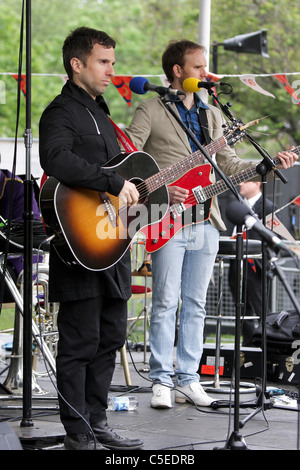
[(141, 85), (238, 213), (193, 85)]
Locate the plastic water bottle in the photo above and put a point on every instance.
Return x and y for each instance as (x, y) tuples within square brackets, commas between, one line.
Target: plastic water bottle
[(122, 403)]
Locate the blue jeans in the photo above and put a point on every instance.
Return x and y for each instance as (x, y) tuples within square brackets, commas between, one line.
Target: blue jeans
[(182, 267)]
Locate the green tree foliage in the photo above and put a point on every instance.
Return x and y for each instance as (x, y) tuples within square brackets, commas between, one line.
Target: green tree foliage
[(142, 29), (281, 19)]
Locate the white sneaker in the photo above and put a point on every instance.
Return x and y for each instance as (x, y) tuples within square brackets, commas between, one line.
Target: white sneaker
[(193, 393), (161, 396)]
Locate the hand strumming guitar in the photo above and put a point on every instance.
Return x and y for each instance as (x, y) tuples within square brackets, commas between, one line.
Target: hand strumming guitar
[(129, 194)]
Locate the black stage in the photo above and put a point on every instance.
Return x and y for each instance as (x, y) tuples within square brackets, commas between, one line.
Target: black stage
[(176, 431)]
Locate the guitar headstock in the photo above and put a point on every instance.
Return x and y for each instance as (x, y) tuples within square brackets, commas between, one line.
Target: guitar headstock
[(236, 131)]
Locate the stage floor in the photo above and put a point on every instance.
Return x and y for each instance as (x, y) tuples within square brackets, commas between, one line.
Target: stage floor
[(183, 429)]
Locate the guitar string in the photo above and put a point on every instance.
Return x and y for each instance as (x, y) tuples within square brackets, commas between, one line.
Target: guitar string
[(212, 148), (190, 198), (185, 161), (178, 168), (179, 165), (220, 186)]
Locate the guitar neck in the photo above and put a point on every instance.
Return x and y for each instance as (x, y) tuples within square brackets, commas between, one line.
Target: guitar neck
[(244, 175), (170, 174)]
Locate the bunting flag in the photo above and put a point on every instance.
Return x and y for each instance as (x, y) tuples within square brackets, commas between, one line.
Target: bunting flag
[(250, 81), (284, 81), (278, 227), (121, 82), (212, 77), (22, 84), (252, 264), (296, 201)]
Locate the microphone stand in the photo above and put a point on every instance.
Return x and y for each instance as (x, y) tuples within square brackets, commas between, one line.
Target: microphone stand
[(262, 169), (236, 440), (262, 403), (28, 240)]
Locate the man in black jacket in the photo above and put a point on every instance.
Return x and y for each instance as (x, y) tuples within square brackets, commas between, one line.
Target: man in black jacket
[(77, 138)]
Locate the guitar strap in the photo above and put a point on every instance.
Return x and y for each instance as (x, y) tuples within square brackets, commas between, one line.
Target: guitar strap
[(204, 125), (127, 144), (202, 115)]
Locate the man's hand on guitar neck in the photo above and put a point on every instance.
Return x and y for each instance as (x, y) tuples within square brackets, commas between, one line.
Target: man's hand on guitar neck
[(129, 194), (287, 158)]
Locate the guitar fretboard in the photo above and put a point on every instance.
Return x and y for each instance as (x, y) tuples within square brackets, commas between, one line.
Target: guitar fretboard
[(244, 175), (172, 173)]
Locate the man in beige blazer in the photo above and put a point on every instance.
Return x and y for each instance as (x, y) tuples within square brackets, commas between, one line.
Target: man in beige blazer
[(183, 266)]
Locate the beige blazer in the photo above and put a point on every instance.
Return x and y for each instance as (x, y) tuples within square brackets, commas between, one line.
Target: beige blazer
[(154, 130)]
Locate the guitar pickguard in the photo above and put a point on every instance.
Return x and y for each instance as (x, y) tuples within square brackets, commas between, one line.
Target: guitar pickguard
[(180, 215)]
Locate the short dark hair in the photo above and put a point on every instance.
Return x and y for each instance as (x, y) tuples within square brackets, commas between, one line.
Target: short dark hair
[(175, 54), (80, 43)]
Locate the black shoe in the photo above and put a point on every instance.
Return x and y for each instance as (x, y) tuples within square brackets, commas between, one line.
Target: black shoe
[(83, 441), (109, 438)]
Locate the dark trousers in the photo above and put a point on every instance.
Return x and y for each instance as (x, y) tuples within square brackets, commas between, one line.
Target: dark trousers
[(90, 333)]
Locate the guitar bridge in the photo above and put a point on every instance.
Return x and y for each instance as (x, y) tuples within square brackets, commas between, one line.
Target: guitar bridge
[(111, 212), (199, 194)]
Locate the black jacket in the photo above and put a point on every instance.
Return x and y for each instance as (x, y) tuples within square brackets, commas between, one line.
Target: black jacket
[(76, 140)]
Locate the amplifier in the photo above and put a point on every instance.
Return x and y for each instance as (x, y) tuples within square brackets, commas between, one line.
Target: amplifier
[(283, 368), (250, 361)]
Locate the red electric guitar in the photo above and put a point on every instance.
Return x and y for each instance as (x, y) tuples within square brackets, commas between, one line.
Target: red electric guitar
[(201, 190)]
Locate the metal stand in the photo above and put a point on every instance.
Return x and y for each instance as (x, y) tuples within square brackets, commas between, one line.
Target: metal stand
[(12, 398), (34, 328), (13, 384), (236, 440), (28, 231), (227, 251), (144, 314), (274, 269), (262, 402), (239, 258)]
